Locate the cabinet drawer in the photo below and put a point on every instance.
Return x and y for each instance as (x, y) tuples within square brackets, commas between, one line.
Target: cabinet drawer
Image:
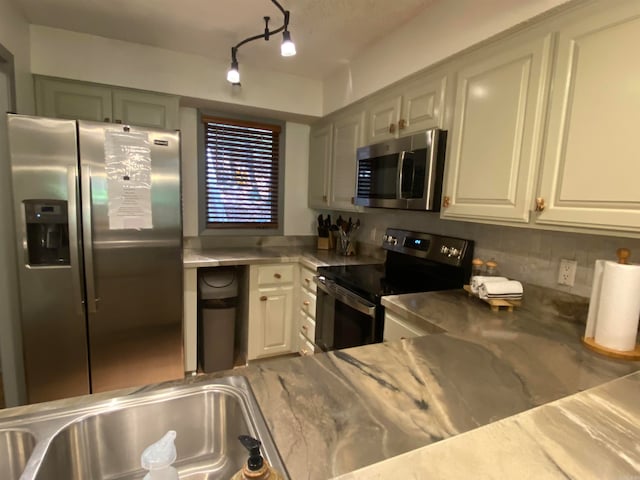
[(307, 326), (275, 274), (305, 348), (308, 303), (306, 279)]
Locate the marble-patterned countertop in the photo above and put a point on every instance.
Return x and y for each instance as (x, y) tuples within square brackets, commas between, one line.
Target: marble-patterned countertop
[(310, 257), (591, 435), (334, 413)]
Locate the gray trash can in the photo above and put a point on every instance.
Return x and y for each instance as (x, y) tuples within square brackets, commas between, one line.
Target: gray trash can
[(218, 289)]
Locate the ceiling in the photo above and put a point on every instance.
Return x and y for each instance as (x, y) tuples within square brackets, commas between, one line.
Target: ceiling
[(327, 33)]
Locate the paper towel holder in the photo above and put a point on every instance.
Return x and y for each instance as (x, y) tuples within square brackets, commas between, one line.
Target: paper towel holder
[(623, 255)]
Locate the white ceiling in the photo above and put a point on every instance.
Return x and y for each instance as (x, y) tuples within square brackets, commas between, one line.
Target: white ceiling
[(327, 33)]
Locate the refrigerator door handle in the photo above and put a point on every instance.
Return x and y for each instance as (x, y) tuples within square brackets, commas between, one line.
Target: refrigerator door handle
[(74, 244), (87, 233)]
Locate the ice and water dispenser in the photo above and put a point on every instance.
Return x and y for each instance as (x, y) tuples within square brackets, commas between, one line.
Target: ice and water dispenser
[(47, 225)]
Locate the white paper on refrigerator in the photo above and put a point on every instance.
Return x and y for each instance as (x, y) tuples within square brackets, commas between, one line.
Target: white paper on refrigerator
[(128, 169)]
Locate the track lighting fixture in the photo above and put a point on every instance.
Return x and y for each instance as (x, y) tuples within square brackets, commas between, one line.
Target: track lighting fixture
[(287, 48)]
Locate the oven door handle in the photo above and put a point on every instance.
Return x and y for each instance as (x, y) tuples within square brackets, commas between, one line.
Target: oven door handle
[(345, 296)]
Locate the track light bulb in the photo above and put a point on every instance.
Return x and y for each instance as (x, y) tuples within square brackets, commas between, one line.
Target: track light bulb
[(233, 75), (287, 48)]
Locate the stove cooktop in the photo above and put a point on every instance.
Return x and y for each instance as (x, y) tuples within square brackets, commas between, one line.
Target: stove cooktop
[(415, 262)]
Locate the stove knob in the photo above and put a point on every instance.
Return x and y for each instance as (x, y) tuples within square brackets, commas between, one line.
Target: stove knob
[(454, 252), (444, 250)]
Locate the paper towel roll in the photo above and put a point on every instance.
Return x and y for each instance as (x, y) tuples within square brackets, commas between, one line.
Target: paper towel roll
[(614, 308)]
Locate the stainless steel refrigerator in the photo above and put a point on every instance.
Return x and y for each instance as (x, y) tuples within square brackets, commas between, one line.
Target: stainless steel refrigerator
[(99, 238)]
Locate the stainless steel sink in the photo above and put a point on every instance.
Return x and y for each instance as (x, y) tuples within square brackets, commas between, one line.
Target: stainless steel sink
[(15, 448), (105, 440)]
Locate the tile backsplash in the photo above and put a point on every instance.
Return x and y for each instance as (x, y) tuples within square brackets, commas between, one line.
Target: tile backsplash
[(525, 254)]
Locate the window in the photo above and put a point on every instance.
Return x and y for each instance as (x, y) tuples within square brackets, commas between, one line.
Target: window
[(242, 174)]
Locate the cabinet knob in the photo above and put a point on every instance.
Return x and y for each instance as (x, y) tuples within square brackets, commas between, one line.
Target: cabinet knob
[(306, 303), (304, 352), (539, 204), (305, 327), (392, 128), (263, 298), (277, 275), (307, 280), (446, 201), (402, 124), (324, 198)]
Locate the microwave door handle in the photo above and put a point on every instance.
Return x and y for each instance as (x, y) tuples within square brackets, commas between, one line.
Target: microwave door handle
[(400, 174)]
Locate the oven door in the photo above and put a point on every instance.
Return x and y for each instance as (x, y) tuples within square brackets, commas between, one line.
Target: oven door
[(343, 319)]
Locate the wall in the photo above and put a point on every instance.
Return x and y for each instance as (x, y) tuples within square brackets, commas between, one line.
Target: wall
[(79, 56), (14, 36), (524, 254), (445, 28), (298, 219)]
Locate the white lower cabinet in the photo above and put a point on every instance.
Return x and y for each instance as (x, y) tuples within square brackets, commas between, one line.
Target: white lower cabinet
[(271, 308), (397, 327), (306, 329)]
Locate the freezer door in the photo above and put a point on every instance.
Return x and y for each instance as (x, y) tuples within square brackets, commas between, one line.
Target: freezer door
[(132, 226), (44, 164)]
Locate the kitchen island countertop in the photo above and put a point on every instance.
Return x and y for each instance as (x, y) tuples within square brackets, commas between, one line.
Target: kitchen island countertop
[(334, 413)]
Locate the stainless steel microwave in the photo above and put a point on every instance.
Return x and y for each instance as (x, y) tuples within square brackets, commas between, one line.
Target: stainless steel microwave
[(404, 173)]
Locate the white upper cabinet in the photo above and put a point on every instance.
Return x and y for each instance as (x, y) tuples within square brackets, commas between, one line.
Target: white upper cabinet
[(347, 137), (495, 140), (418, 107), (320, 148), (591, 163), (145, 109), (62, 98)]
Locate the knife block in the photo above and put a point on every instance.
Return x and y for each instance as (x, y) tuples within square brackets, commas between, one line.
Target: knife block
[(326, 243)]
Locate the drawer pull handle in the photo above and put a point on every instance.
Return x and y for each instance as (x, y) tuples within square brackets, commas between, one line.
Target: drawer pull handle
[(306, 303), (263, 298), (277, 275)]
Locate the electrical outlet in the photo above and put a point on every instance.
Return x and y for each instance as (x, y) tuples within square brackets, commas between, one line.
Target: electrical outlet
[(567, 272)]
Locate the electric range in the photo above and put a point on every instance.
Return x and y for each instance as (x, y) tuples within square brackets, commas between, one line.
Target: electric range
[(348, 306)]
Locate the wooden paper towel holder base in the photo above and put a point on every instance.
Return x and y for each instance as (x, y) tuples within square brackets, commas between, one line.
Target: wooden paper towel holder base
[(590, 343)]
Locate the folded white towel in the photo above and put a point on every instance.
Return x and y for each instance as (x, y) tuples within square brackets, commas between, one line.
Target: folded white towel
[(510, 289), (478, 280)]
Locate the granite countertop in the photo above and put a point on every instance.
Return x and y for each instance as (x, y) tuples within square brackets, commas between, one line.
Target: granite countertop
[(334, 413), (309, 257), (591, 435)]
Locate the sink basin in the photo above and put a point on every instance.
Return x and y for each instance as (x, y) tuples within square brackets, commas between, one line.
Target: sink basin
[(105, 440), (15, 448)]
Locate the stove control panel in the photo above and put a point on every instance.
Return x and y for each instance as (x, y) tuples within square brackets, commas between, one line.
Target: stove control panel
[(389, 240), (437, 248), (450, 251)]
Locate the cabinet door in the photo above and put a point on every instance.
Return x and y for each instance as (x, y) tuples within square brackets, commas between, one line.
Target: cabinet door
[(347, 137), (496, 136), (273, 322), (423, 105), (382, 119), (320, 145), (72, 100), (398, 328), (592, 160), (145, 109)]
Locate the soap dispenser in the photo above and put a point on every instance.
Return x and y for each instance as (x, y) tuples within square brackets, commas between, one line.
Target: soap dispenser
[(256, 468), (159, 457)]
